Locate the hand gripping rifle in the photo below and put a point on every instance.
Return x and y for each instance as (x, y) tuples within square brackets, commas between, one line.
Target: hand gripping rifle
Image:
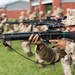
[(46, 35)]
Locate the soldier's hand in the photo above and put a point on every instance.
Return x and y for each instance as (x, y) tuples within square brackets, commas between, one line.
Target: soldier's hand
[(35, 39), (61, 44)]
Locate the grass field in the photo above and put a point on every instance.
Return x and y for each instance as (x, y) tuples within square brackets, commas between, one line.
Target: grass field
[(13, 64)]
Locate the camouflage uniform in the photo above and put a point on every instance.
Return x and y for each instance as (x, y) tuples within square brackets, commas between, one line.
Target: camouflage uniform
[(48, 13), (54, 54), (1, 28), (3, 15), (41, 29), (70, 45), (26, 44), (38, 59), (29, 28), (22, 14), (49, 54), (70, 57), (9, 29), (66, 60)]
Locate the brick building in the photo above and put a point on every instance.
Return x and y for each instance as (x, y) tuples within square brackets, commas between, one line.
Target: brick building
[(42, 4), (14, 9)]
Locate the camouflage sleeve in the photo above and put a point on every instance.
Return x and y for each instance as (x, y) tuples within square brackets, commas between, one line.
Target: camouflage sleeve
[(16, 28), (47, 53), (1, 25), (70, 47)]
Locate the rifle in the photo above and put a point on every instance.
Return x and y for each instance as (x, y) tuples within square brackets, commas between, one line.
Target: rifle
[(24, 22), (49, 23), (52, 25), (46, 35), (36, 21)]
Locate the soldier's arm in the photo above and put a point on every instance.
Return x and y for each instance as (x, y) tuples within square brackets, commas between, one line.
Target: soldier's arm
[(66, 45), (45, 52), (49, 54)]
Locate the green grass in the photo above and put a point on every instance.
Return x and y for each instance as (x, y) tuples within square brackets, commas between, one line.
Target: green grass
[(13, 64)]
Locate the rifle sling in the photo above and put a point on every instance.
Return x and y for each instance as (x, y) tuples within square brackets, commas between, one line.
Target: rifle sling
[(6, 44)]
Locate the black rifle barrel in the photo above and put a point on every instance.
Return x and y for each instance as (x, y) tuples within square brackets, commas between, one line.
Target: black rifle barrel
[(35, 22), (24, 22), (47, 35), (51, 25)]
